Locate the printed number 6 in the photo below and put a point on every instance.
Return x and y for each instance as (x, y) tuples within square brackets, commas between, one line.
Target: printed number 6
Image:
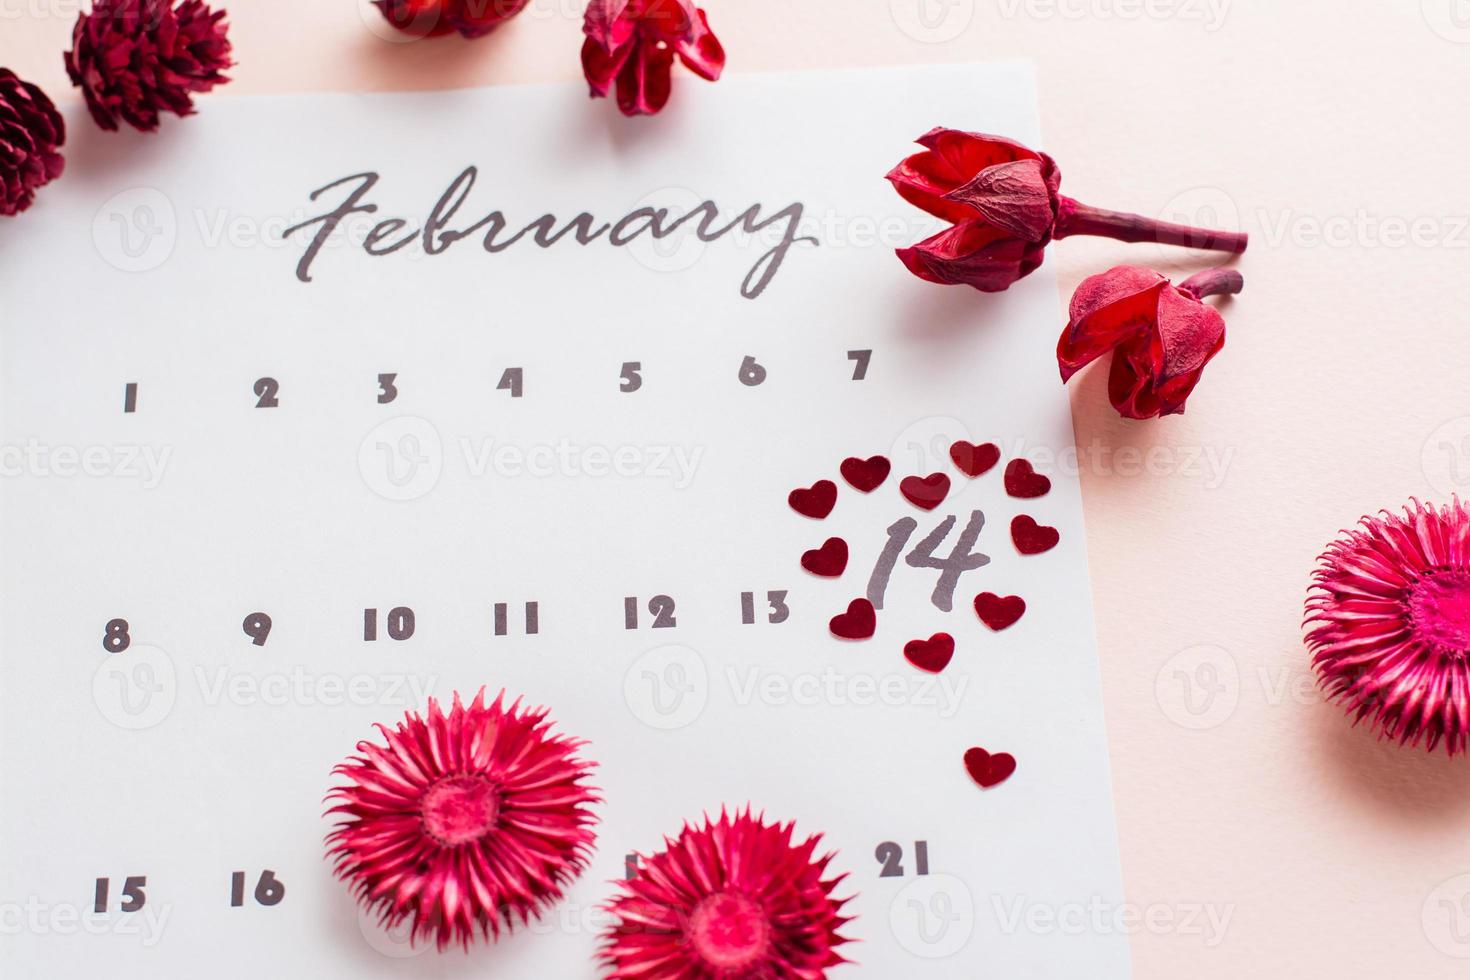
[(751, 373)]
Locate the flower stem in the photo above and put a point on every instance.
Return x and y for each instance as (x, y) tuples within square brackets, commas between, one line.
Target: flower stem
[(1075, 218), (1213, 282)]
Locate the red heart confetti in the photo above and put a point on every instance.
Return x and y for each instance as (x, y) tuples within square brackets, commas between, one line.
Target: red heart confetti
[(858, 623), (989, 770), (1032, 538), (1023, 481), (865, 475), (926, 492), (974, 458), (933, 654), (829, 561), (998, 612), (815, 501)]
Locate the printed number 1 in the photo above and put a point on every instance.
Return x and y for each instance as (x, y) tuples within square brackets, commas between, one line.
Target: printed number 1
[(513, 381)]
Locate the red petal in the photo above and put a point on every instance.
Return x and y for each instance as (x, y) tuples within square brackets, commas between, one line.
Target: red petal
[(973, 254), (1106, 310), (645, 82), (703, 53), (951, 159), (1013, 196), (1191, 333)]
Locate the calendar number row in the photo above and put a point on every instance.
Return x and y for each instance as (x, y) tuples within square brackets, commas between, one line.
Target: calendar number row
[(512, 380)]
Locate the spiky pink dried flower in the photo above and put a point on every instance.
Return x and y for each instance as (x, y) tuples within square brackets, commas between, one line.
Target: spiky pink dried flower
[(463, 823), (735, 899), (1390, 604)]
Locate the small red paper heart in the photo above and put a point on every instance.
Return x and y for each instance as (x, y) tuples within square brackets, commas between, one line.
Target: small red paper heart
[(830, 560), (932, 654), (816, 501), (926, 492), (1023, 481), (1032, 538), (858, 623), (974, 458), (998, 612), (989, 770), (865, 475)]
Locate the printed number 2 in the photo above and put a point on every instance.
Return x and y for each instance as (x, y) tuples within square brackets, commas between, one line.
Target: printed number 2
[(267, 389), (890, 855), (661, 607)]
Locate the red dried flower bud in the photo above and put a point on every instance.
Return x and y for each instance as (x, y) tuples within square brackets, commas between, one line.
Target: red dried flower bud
[(631, 45), (31, 134), (1003, 201), (133, 59), (1161, 336), (431, 18)]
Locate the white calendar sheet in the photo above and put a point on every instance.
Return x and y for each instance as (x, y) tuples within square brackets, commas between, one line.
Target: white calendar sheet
[(245, 516)]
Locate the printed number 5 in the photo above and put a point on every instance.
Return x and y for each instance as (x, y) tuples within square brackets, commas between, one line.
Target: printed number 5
[(632, 379)]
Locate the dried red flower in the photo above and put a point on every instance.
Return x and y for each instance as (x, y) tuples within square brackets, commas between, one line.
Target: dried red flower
[(431, 18), (133, 59), (1003, 203), (1161, 335), (463, 823), (734, 899), (31, 135), (1390, 604), (632, 44)]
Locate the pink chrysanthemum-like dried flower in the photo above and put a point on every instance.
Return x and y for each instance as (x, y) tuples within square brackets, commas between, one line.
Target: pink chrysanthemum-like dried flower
[(735, 899), (1390, 608), (133, 59), (463, 823)]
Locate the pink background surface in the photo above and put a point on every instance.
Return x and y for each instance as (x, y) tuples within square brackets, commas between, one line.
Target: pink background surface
[(1331, 130)]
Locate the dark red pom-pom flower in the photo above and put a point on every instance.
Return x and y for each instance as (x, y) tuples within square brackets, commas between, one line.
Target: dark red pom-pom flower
[(1161, 336), (31, 134), (463, 823), (133, 59), (632, 44), (431, 18), (735, 899), (1390, 615), (1004, 208)]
